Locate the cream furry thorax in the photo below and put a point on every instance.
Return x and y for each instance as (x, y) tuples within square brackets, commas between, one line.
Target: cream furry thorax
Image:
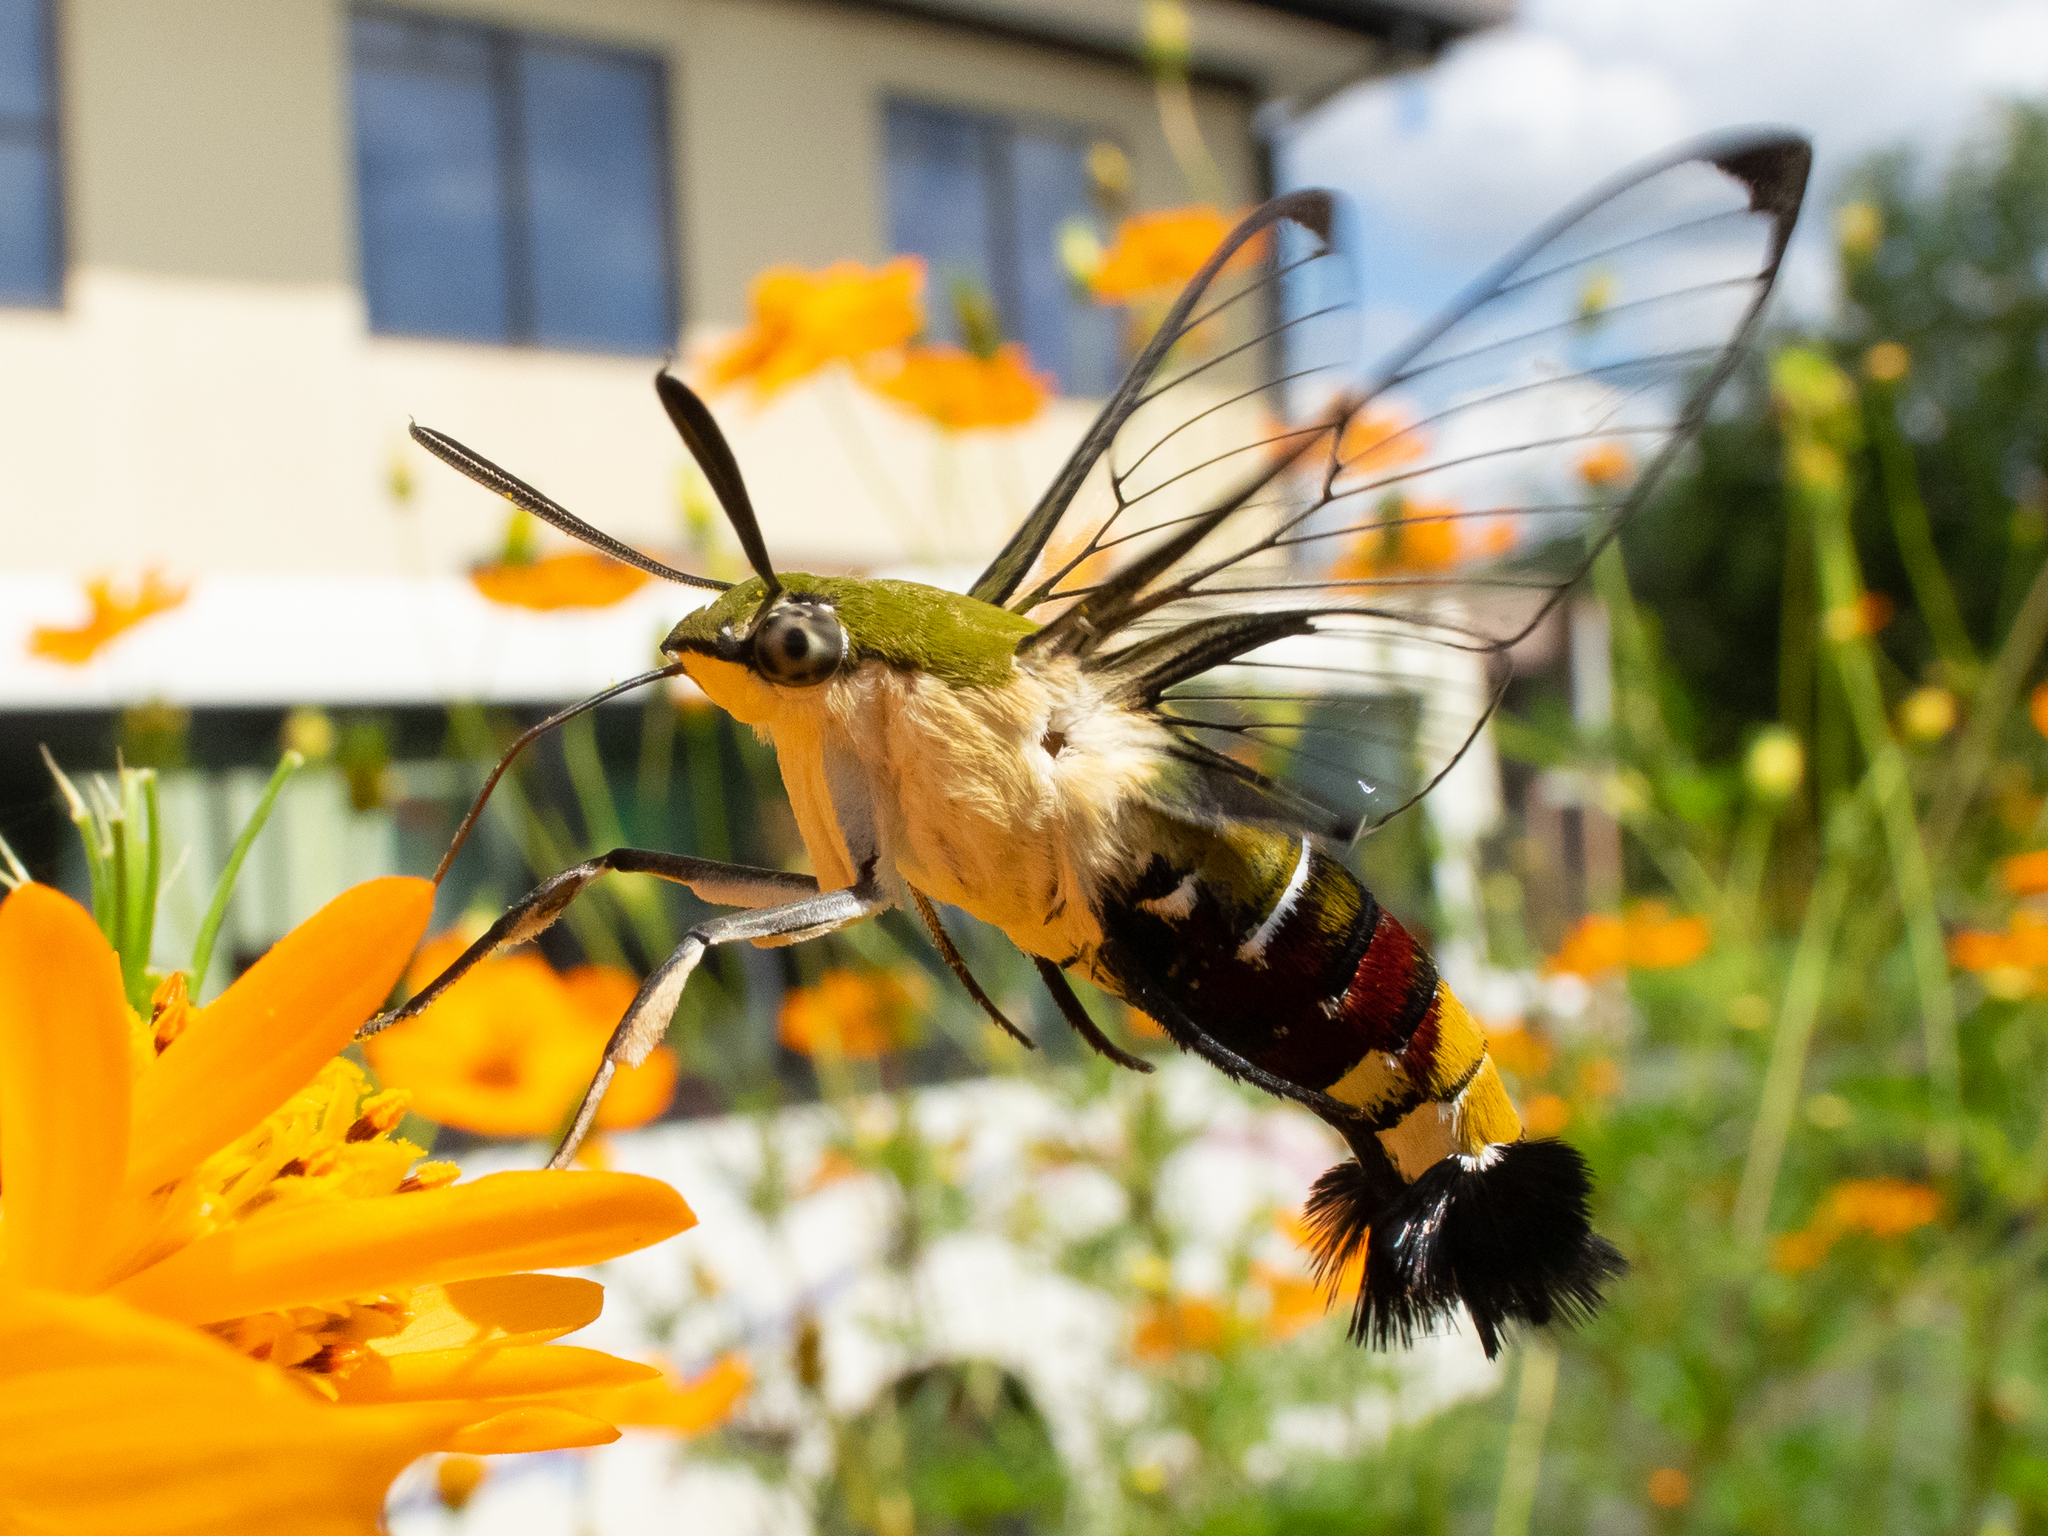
[(1011, 800)]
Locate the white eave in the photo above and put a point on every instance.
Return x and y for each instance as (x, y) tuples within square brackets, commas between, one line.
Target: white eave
[(249, 641), (1293, 51)]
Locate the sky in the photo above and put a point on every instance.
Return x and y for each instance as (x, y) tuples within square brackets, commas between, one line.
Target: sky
[(1449, 166)]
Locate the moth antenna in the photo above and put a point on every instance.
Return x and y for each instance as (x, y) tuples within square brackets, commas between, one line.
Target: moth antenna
[(699, 431), (532, 734), (475, 466)]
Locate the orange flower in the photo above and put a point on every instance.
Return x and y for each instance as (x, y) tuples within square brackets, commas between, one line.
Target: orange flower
[(692, 1406), (1378, 443), (1647, 938), (858, 1015), (835, 1166), (1427, 536), (575, 579), (1293, 1303), (2037, 708), (113, 613), (1546, 1114), (2026, 874), (802, 321), (1179, 1325), (1154, 254), (510, 1048), (1605, 464), (1346, 1281), (1516, 1048), (1600, 1078), (1669, 1488), (958, 390), (2013, 964), (1880, 1208), (1871, 612), (220, 1218)]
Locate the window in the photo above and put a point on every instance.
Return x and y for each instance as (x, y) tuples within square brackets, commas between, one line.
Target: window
[(512, 187), (31, 242), (982, 199)]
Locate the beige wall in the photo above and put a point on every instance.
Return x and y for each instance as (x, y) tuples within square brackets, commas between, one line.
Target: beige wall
[(209, 397), (210, 138)]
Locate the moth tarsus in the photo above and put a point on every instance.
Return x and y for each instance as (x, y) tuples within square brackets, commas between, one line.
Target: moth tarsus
[(1218, 649)]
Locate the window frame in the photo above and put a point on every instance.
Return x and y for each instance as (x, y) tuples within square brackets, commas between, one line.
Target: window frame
[(46, 134), (1005, 288), (514, 177)]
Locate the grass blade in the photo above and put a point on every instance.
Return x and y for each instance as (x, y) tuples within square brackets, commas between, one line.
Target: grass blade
[(216, 914)]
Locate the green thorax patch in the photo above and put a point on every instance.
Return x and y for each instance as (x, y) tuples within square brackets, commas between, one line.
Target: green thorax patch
[(955, 638)]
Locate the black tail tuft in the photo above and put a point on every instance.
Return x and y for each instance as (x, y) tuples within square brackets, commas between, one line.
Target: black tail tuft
[(1508, 1236)]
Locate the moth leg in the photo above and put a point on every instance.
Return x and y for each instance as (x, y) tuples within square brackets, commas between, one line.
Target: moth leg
[(726, 885), (1070, 1007), (1192, 1037), (646, 1019), (952, 957)]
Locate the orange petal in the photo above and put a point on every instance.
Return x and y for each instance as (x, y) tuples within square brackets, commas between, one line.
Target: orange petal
[(266, 1036), (64, 1071), (503, 1222), (532, 1429), (503, 1309), (519, 1370), (113, 1423), (703, 1402)]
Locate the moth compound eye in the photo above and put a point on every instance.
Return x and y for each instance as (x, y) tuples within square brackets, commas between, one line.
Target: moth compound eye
[(799, 645)]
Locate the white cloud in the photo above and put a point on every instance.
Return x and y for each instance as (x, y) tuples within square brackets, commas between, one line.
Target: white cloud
[(1453, 164)]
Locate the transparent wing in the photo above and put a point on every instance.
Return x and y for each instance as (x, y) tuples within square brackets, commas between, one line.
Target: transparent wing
[(1312, 576)]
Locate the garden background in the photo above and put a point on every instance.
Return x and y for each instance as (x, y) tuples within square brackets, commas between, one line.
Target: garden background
[(1761, 924)]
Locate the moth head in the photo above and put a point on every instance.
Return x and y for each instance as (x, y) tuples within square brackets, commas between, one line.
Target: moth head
[(792, 637)]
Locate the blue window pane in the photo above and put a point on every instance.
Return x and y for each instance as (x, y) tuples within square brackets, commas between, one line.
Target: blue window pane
[(23, 69), (983, 198), (430, 189), (1067, 334), (596, 199), (942, 172), (28, 265)]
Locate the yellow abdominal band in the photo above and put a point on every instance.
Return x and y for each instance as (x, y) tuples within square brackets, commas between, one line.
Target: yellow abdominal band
[(1479, 1116)]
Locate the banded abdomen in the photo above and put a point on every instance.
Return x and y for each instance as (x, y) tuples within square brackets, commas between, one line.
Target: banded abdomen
[(1267, 946)]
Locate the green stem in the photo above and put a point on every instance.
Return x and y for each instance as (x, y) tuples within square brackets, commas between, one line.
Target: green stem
[(1183, 131), (1522, 1466), (1841, 589), (131, 970), (1931, 589), (142, 922), (1749, 862), (634, 895), (657, 760), (217, 911), (710, 825), (89, 840), (1996, 696), (1805, 986), (16, 874)]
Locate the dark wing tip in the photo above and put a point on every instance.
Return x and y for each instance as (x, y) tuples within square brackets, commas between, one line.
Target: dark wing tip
[(1314, 209), (1774, 167)]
